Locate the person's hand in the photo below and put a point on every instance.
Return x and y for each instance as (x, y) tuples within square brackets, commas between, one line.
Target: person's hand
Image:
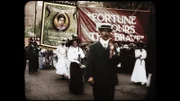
[(91, 81), (79, 53), (77, 62), (119, 65), (82, 66), (139, 57), (111, 47), (111, 54)]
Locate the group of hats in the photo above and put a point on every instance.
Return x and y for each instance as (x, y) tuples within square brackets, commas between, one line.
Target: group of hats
[(74, 37), (70, 40)]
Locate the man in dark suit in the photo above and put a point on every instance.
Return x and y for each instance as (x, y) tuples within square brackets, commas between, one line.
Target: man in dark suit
[(101, 66)]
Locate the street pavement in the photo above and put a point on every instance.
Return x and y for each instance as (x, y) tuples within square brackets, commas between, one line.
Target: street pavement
[(47, 85)]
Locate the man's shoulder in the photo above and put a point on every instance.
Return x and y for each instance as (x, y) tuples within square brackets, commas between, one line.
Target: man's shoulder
[(94, 44)]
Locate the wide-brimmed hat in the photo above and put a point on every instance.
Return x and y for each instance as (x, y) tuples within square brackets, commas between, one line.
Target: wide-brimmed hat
[(140, 44), (105, 26), (73, 38), (64, 40)]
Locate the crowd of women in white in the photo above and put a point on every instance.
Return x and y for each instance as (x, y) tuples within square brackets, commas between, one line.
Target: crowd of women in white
[(66, 55)]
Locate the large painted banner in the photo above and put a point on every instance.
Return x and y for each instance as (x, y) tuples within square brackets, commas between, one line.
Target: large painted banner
[(58, 22), (127, 25)]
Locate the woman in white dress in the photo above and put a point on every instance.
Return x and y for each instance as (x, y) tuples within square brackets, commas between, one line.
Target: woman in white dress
[(61, 64), (68, 65), (55, 58), (139, 71)]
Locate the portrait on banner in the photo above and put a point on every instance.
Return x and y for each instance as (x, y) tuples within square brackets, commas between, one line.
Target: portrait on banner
[(61, 21)]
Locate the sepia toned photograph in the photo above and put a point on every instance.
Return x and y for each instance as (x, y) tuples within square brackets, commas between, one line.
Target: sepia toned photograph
[(90, 50)]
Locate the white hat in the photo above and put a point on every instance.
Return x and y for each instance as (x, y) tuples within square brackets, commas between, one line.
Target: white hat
[(105, 26)]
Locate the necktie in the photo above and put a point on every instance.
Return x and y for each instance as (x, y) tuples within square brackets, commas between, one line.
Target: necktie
[(105, 46)]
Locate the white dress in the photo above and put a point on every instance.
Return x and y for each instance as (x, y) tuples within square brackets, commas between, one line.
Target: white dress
[(68, 65), (54, 58), (61, 64), (139, 71), (43, 57)]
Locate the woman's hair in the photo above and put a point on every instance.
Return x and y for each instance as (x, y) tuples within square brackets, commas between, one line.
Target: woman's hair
[(140, 45), (61, 16), (77, 40)]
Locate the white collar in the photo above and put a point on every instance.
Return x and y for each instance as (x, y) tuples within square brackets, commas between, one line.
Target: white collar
[(102, 41)]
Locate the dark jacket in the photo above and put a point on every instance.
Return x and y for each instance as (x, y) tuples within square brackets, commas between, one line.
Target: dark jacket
[(100, 67)]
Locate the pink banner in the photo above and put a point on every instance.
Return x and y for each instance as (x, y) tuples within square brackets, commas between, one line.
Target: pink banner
[(127, 25)]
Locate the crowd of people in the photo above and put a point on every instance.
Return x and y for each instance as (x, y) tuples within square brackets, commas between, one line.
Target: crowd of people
[(32, 55), (96, 63)]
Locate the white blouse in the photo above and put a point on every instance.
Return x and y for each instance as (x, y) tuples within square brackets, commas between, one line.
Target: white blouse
[(143, 53), (73, 54)]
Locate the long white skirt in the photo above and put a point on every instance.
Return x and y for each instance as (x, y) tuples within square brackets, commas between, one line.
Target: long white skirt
[(54, 61), (68, 68), (61, 66), (139, 72)]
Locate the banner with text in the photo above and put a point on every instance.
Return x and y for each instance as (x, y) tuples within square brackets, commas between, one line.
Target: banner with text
[(59, 22), (127, 25)]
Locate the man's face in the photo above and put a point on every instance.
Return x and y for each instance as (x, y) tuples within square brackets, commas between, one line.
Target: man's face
[(105, 33)]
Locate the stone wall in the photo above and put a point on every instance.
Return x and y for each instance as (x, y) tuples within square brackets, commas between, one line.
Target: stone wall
[(30, 18)]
